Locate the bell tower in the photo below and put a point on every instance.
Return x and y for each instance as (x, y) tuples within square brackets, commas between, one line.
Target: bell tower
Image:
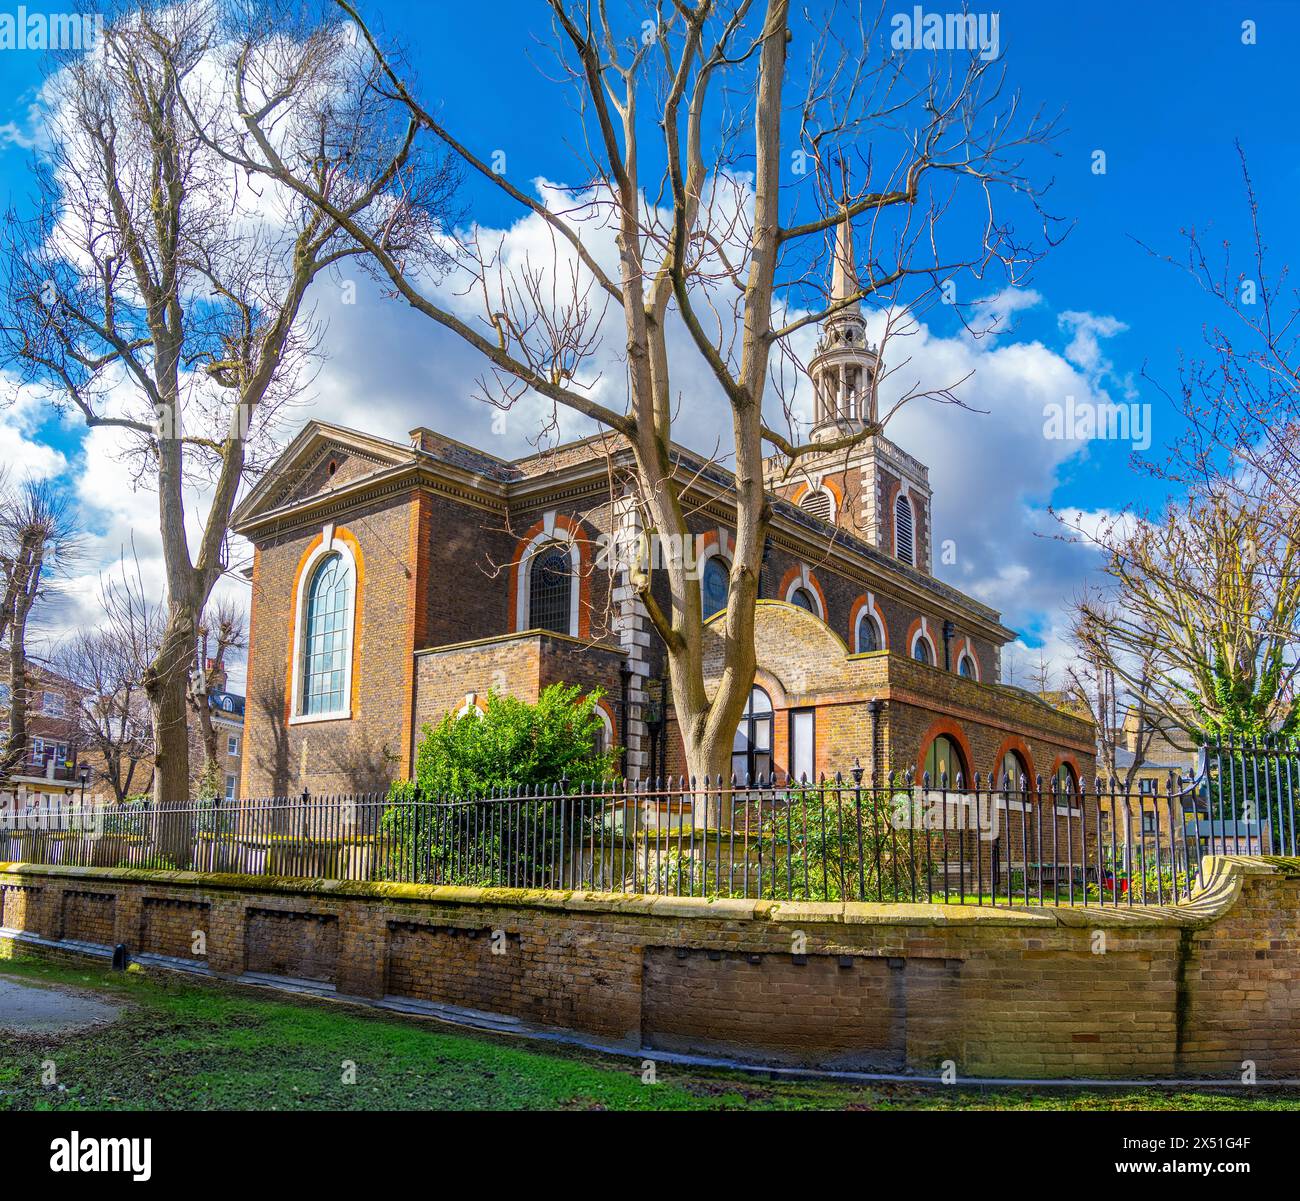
[(844, 367), (871, 488)]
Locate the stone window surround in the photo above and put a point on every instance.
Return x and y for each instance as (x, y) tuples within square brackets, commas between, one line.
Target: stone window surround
[(329, 544), (553, 532)]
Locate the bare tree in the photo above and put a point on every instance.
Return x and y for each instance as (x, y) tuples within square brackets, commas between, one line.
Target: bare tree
[(38, 538), (160, 293), (108, 663), (223, 629), (1200, 615), (723, 232), (1094, 687), (1241, 401)]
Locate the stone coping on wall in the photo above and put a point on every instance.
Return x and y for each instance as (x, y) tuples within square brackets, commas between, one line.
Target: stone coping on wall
[(1224, 877)]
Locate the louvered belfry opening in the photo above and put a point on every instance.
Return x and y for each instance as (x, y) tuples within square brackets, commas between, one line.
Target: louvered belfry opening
[(904, 543), (817, 503)]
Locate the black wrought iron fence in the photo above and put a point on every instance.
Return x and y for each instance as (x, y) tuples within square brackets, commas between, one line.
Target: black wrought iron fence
[(1247, 794), (903, 840)]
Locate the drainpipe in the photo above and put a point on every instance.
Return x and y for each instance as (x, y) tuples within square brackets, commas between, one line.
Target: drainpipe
[(874, 707), (949, 630)]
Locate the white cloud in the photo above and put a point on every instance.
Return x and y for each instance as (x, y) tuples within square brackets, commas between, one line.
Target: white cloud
[(1087, 330)]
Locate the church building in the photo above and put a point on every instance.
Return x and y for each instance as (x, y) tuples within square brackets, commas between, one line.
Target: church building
[(396, 582)]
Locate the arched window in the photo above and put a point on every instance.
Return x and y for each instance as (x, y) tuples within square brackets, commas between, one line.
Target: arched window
[(715, 584), (804, 599), (966, 666), (751, 752), (818, 503), (550, 591), (867, 636), (326, 635), (1067, 783), (1011, 771), (944, 762), (604, 735), (921, 649), (904, 543)]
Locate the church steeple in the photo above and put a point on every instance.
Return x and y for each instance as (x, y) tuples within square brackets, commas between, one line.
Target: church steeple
[(844, 367)]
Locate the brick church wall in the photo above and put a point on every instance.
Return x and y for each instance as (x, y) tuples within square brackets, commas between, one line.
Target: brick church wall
[(361, 753)]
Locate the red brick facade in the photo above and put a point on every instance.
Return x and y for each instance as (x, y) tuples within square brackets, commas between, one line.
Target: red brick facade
[(442, 539)]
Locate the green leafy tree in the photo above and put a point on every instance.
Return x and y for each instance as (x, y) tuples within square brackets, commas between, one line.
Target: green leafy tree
[(460, 833)]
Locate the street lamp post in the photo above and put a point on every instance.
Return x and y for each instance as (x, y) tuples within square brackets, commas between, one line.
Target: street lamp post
[(84, 775)]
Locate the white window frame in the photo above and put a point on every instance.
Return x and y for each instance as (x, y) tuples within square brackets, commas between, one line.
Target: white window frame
[(58, 709), (232, 744), (868, 613), (608, 727), (232, 787), (802, 581), (549, 534), (329, 545), (923, 634), (470, 707), (816, 490)]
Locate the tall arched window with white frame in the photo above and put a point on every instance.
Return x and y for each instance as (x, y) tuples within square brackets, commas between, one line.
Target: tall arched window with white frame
[(550, 585), (327, 634)]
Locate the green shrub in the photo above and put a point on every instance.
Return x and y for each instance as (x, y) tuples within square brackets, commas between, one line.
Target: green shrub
[(465, 837)]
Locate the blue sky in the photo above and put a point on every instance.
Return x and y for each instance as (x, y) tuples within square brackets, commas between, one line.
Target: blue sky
[(1162, 88)]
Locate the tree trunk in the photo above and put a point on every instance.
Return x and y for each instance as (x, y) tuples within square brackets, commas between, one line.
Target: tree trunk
[(15, 745), (167, 686)]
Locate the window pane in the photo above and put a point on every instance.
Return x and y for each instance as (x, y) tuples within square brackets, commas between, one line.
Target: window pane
[(325, 637), (801, 744), (867, 637), (803, 598), (921, 651), (549, 592), (714, 585)]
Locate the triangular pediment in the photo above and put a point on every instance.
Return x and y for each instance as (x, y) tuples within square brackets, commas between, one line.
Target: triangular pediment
[(323, 458)]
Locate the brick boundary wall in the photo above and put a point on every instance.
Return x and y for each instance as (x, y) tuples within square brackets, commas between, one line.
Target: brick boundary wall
[(1194, 990)]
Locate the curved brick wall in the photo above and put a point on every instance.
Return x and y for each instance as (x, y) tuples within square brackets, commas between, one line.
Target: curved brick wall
[(1191, 991)]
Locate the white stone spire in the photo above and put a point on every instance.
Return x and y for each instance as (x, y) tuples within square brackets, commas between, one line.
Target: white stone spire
[(844, 368)]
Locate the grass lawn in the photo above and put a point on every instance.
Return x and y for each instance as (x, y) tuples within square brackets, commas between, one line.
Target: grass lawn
[(185, 1043)]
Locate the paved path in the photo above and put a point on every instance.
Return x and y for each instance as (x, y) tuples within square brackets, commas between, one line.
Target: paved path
[(25, 1009)]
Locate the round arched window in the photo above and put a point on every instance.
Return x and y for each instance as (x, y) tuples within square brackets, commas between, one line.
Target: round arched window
[(326, 638), (715, 584), (1066, 780), (966, 667), (868, 638), (550, 585), (804, 599), (921, 650), (1012, 771), (751, 752), (944, 763)]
